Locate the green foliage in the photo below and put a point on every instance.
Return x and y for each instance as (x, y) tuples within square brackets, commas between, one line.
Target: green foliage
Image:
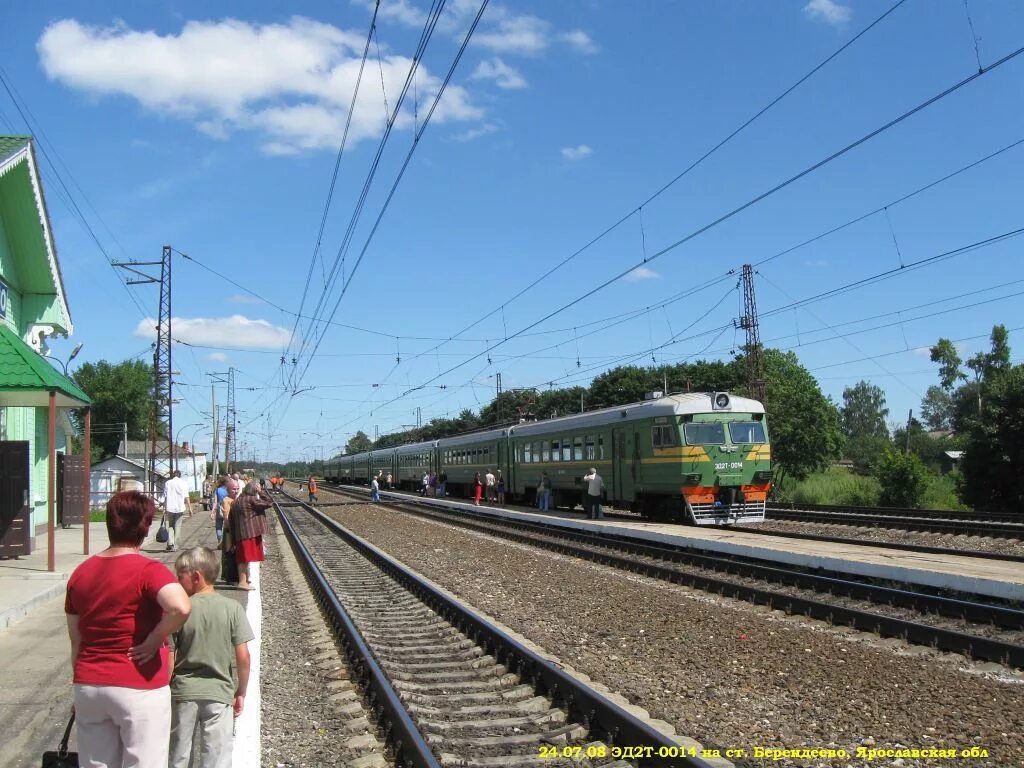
[(994, 447), (834, 486), (941, 493), (803, 423), (358, 443), (864, 411), (903, 478), (865, 451), (944, 353), (121, 392), (937, 409)]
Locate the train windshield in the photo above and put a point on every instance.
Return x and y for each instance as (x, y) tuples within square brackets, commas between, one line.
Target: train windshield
[(706, 433), (747, 432)]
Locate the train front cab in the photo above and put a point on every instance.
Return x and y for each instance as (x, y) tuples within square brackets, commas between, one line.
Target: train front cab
[(726, 467)]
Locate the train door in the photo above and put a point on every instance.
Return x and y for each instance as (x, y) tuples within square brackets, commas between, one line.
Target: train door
[(623, 468)]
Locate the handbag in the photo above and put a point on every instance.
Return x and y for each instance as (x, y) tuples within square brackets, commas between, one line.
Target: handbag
[(62, 758), (161, 535)]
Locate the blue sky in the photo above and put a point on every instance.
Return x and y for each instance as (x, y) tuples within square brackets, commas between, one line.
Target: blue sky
[(214, 127)]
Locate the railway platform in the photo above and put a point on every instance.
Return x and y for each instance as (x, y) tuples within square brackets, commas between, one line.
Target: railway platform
[(974, 575), (35, 666)]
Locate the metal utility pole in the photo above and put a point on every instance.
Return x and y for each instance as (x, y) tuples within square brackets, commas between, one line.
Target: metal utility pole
[(161, 432), (497, 380), (754, 353), (231, 431), (910, 420)]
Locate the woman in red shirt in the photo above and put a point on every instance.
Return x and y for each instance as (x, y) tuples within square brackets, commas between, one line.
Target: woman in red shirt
[(120, 607)]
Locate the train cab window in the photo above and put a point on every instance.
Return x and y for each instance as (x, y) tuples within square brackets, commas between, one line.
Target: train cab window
[(566, 450), (556, 451), (664, 436), (704, 433), (577, 449), (589, 443), (747, 432)]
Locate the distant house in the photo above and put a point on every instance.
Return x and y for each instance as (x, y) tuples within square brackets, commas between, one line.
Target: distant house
[(117, 474), (951, 460), (192, 463)]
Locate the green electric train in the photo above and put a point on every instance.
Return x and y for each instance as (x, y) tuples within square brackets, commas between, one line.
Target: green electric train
[(702, 458)]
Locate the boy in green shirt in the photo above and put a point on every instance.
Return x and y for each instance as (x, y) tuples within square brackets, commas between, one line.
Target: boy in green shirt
[(203, 693)]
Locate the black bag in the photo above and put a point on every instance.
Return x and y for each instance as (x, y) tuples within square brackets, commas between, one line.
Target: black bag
[(62, 758), (161, 535)]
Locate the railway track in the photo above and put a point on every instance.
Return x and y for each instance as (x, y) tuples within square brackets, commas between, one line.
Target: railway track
[(447, 686), (934, 521), (987, 630)]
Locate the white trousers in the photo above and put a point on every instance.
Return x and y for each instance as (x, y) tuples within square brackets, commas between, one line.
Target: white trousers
[(173, 527), (215, 722), (122, 727)]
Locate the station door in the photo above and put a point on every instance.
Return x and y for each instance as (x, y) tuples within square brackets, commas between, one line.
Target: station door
[(15, 533)]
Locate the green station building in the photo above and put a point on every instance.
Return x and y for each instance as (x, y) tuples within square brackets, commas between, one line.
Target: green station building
[(36, 483)]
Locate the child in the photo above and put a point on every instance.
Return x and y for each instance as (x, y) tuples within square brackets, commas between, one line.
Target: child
[(203, 693)]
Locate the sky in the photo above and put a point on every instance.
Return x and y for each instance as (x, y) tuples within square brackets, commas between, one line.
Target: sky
[(549, 223)]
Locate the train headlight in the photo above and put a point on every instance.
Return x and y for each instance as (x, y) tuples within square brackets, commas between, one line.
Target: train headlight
[(720, 401)]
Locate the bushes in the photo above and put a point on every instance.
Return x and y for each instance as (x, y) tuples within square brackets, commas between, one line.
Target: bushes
[(903, 478), (835, 486)]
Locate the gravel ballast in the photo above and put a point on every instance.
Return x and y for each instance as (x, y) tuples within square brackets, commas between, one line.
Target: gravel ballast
[(719, 670)]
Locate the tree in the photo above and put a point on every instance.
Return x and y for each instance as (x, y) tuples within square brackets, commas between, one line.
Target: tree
[(944, 353), (358, 443), (120, 393), (864, 411), (994, 450), (903, 478), (802, 422), (937, 409)]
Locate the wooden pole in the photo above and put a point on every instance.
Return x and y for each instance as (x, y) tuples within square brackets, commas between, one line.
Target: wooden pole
[(88, 480), (51, 539)]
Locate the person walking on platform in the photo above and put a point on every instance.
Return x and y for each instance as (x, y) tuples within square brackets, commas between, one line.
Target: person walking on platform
[(176, 502), (121, 606), (204, 696), (544, 492), (374, 490), (478, 489), (248, 521), (594, 488), (424, 484), (311, 486)]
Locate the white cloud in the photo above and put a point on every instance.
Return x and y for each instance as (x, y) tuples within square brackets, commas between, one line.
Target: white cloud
[(828, 11), (289, 82), (476, 133), (526, 35), (576, 153), (641, 273), (217, 357), (501, 73), (580, 40), (234, 331)]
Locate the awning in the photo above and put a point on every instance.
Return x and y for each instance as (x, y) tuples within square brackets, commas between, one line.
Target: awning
[(26, 379)]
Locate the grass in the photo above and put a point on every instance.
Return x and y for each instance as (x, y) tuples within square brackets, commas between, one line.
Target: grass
[(97, 515), (838, 485)]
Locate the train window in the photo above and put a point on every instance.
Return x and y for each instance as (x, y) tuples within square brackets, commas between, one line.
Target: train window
[(747, 431), (600, 446), (556, 451), (577, 449), (566, 450), (705, 433), (536, 451), (527, 453), (589, 442), (664, 436)]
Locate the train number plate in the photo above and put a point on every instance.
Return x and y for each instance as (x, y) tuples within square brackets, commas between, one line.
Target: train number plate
[(724, 465)]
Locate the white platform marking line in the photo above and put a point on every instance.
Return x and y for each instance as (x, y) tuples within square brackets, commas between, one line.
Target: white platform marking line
[(246, 752)]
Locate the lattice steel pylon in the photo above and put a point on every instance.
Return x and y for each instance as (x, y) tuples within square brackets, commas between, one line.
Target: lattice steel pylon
[(231, 431), (748, 322), (161, 432)]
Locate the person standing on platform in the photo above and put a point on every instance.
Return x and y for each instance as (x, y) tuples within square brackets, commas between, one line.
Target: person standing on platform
[(121, 606), (203, 692), (489, 482), (217, 513), (424, 484), (374, 490), (248, 520), (544, 492), (594, 488), (442, 485), (176, 502), (500, 486), (478, 489)]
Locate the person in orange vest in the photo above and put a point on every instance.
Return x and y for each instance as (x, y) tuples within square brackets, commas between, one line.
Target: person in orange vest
[(312, 489)]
